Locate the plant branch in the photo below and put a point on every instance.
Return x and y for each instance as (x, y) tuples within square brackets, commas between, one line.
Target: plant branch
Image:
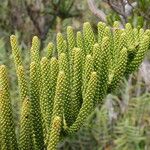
[(97, 12)]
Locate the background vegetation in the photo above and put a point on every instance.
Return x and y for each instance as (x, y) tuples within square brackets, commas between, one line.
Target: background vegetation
[(123, 123)]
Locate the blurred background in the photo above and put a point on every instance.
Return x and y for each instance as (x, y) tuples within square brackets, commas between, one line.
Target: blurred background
[(123, 122)]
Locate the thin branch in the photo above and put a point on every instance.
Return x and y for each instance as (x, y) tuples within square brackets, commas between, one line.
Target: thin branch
[(100, 14), (116, 9), (130, 3)]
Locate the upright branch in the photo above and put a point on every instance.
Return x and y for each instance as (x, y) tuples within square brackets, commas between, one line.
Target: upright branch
[(63, 88)]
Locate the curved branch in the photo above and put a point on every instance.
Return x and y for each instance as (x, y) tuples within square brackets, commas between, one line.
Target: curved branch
[(100, 14)]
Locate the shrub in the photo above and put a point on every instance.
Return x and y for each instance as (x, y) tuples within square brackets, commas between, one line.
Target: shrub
[(68, 83)]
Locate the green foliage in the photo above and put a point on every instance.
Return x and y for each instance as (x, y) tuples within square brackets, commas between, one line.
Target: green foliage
[(87, 104), (8, 137), (64, 66), (134, 12), (35, 107), (117, 131), (55, 133), (119, 70), (61, 92), (25, 133), (76, 95), (15, 51), (45, 94)]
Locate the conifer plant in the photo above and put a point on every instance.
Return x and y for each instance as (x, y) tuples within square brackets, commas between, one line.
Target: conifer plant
[(68, 83)]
